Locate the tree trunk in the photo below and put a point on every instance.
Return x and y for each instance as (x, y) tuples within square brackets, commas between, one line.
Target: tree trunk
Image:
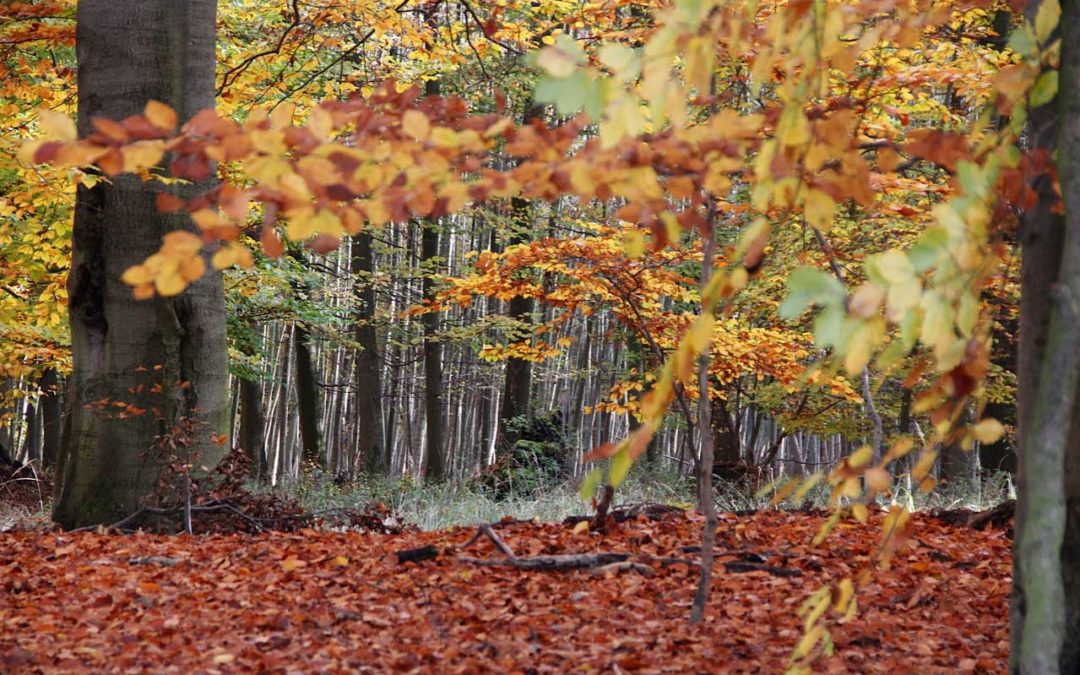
[(50, 417), (253, 428), (307, 399), (1045, 615), (517, 388), (434, 461), (131, 51), (369, 413), (434, 466)]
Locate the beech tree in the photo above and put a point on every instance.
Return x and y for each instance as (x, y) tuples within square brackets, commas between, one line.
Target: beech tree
[(148, 380), (1045, 626)]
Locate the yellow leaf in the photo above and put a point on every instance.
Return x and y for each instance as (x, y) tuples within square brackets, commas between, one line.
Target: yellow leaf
[(180, 244), (443, 137), (160, 115), (988, 430), (415, 124), (289, 564), (192, 268), (57, 126), (581, 527), (878, 479), (136, 275), (142, 155), (820, 209), (169, 283), (925, 463), (341, 561), (634, 243), (845, 592)]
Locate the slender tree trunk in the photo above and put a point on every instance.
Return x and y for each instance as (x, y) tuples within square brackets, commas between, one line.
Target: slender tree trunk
[(129, 52), (369, 412), (1045, 630)]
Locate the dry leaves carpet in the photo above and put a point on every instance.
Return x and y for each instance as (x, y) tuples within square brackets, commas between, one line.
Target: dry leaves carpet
[(341, 602)]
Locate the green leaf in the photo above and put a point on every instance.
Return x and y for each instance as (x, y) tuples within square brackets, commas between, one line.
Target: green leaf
[(829, 327), (624, 62), (931, 245), (620, 466), (1045, 89), (972, 179), (568, 94), (1023, 41), (1047, 18), (807, 286), (591, 482)]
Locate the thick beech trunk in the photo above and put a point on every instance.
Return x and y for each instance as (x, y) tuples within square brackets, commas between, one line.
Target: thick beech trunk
[(1045, 629), (131, 51)]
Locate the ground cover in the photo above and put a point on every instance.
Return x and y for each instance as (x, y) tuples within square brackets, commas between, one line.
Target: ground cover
[(336, 601)]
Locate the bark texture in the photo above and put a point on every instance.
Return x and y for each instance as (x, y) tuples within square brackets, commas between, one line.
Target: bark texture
[(369, 413), (1045, 630), (131, 51)]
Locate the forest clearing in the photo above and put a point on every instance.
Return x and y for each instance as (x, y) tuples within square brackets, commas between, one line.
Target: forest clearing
[(540, 335)]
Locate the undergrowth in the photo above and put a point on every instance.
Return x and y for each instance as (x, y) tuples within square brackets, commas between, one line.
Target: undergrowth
[(437, 506)]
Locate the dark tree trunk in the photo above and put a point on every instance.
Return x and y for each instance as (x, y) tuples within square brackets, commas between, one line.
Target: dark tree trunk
[(253, 428), (726, 462), (129, 52), (1045, 627), (50, 417), (434, 461), (369, 412), (517, 389), (307, 399), (434, 465)]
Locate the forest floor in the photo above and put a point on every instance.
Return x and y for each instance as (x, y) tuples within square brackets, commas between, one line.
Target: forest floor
[(327, 601)]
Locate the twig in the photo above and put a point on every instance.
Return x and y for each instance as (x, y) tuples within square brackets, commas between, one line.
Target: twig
[(744, 566), (571, 561), (626, 566)]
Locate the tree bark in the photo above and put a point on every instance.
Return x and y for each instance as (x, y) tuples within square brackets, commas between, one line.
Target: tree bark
[(434, 460), (51, 413), (307, 399), (369, 413), (253, 428), (1045, 614), (129, 52)]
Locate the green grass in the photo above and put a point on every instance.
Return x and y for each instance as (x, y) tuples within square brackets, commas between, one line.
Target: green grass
[(432, 507)]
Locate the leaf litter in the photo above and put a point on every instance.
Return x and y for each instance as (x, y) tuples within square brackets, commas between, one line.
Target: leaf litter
[(315, 600)]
